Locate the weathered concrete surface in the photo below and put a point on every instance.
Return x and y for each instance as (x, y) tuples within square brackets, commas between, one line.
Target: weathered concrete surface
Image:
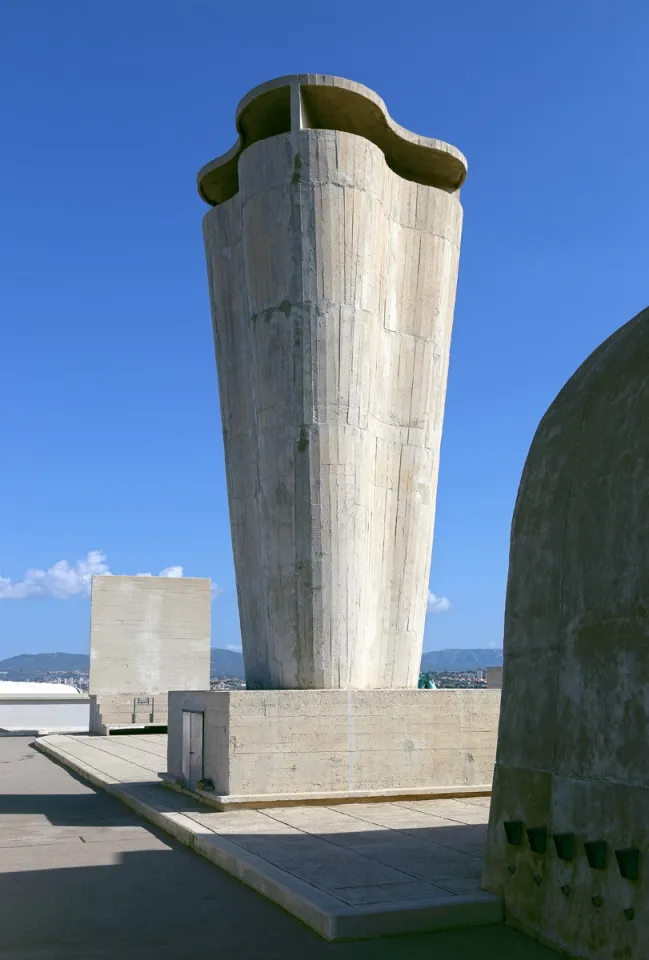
[(495, 677), (314, 743), (332, 283), (114, 713), (148, 635), (572, 751)]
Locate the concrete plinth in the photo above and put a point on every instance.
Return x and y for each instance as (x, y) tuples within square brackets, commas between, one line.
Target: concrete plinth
[(148, 635), (332, 252), (277, 746)]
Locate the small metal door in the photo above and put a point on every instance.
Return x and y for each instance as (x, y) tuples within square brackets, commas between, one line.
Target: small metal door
[(192, 748), (143, 710)]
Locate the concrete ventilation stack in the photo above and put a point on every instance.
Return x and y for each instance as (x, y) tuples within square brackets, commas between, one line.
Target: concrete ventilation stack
[(332, 252)]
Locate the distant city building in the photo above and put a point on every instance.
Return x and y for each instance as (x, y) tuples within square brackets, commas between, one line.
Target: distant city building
[(227, 683), (451, 680)]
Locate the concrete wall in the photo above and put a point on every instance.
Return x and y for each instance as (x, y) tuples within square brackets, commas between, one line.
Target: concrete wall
[(149, 635), (44, 714), (300, 742), (572, 745), (107, 713), (332, 284), (495, 677)]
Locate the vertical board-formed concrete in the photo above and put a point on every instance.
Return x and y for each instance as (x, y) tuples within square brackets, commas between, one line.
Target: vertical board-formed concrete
[(148, 635), (332, 282), (572, 754)]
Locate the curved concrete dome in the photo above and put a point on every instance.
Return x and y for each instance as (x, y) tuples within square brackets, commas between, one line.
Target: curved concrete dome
[(579, 560), (572, 755), (315, 101)]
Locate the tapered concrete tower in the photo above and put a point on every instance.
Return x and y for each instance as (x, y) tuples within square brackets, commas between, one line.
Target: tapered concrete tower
[(332, 251)]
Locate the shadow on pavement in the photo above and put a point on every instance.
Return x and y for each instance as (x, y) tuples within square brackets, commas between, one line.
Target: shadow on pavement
[(136, 893), (170, 903)]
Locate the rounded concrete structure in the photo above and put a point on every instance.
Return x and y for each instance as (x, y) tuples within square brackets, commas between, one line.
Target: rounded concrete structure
[(572, 758), (332, 251)]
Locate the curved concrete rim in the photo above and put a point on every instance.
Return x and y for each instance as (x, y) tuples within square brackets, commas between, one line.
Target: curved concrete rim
[(335, 103)]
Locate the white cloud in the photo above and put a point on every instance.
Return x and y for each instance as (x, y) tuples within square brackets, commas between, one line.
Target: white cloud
[(64, 580), (216, 590), (437, 604), (233, 647), (61, 580)]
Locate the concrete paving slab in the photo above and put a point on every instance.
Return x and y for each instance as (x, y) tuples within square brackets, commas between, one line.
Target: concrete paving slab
[(363, 867), (388, 892), (152, 743), (460, 810), (146, 761)]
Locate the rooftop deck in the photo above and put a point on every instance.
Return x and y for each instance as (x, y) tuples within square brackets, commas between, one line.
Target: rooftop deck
[(82, 876)]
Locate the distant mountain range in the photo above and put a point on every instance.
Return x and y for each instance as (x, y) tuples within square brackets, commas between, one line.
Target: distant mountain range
[(229, 663), (226, 663), (34, 663)]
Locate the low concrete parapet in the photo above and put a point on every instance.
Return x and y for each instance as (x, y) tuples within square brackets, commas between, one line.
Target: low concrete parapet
[(26, 715), (114, 714)]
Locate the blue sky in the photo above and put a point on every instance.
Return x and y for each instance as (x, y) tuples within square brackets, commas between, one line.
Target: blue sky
[(110, 434)]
